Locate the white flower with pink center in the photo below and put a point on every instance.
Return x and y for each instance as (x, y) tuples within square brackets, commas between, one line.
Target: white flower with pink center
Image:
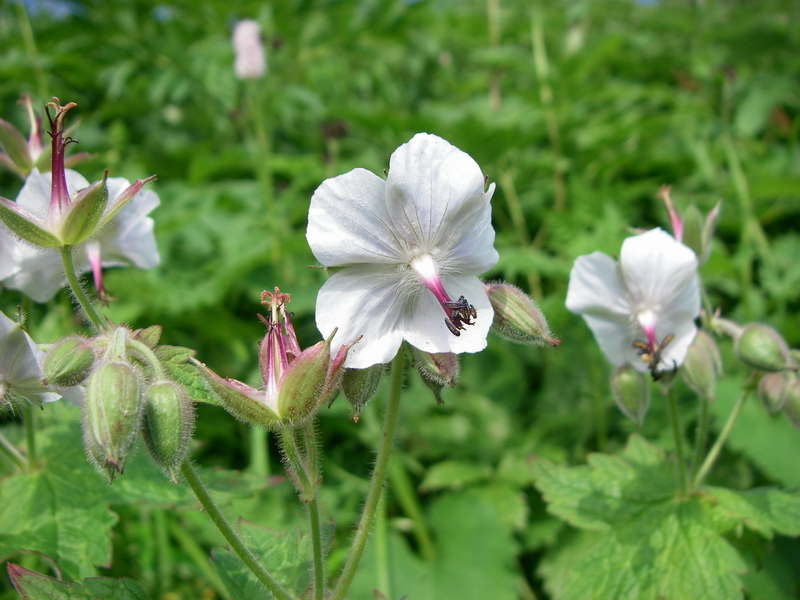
[(642, 308), (405, 252)]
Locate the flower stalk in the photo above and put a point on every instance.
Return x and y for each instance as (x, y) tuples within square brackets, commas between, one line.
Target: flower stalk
[(376, 482), (77, 291), (712, 455)]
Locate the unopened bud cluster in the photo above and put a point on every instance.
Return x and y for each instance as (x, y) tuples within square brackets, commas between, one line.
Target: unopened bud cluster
[(126, 391)]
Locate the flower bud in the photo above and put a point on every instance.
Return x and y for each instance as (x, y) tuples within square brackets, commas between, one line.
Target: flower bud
[(359, 386), (773, 390), (168, 425), (761, 347), (702, 365), (516, 317), (301, 388), (693, 229), (437, 370), (148, 336), (112, 414), (791, 407), (631, 393), (68, 362)]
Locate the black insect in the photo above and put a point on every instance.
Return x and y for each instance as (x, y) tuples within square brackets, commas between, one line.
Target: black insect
[(461, 313), (652, 356)]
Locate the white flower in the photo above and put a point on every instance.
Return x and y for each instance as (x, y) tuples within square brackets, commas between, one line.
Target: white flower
[(20, 366), (642, 309), (250, 62), (411, 247), (9, 255), (127, 239)]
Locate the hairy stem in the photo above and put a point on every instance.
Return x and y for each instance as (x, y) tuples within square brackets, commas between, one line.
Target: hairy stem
[(230, 535), (376, 482), (77, 291)]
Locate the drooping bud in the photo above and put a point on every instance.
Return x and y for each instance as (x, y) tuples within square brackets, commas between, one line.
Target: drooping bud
[(631, 393), (773, 390), (791, 407), (516, 317), (702, 366), (359, 386), (68, 362), (168, 425), (112, 413), (437, 370), (761, 347)]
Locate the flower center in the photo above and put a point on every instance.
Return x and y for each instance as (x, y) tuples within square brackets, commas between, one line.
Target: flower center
[(459, 312)]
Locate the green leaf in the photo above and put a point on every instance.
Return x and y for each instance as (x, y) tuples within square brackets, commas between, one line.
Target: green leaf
[(35, 586), (178, 363), (764, 510), (453, 475), (285, 555), (474, 554), (655, 545)]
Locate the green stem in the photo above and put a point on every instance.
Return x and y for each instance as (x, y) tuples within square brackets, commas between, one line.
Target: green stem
[(377, 481), (717, 447), (259, 458), (14, 455), (76, 289), (30, 435), (383, 579), (316, 549), (230, 535), (700, 439), (676, 432)]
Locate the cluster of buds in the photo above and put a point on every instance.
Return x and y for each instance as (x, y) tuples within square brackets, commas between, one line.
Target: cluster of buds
[(295, 382), (122, 377), (775, 366)]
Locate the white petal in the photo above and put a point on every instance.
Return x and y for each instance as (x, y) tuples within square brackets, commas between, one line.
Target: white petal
[(9, 254), (35, 194), (40, 276), (21, 363), (467, 240), (432, 189), (656, 267), (128, 238), (348, 223), (615, 339), (425, 326), (363, 300), (596, 288)]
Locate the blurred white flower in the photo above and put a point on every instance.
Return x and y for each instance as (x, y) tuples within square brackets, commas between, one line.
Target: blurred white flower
[(127, 239), (411, 247), (20, 366), (250, 62), (9, 255), (642, 309)]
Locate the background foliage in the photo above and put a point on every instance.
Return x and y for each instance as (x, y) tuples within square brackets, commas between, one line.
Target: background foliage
[(579, 110)]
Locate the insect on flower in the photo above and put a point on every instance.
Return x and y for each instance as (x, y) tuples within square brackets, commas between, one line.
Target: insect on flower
[(651, 356)]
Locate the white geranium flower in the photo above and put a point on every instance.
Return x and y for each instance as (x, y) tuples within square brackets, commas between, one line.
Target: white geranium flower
[(9, 255), (411, 247), (127, 239), (642, 309), (20, 366)]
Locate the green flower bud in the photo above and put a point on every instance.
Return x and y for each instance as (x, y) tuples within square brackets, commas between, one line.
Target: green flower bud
[(631, 393), (437, 370), (693, 229), (359, 386), (112, 414), (516, 317), (773, 390), (761, 347), (148, 336), (301, 388), (702, 365), (168, 425), (791, 407), (68, 362)]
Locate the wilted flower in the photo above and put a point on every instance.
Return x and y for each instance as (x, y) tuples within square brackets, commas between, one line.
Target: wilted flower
[(126, 240), (642, 309), (20, 366), (250, 61), (411, 247), (295, 382)]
